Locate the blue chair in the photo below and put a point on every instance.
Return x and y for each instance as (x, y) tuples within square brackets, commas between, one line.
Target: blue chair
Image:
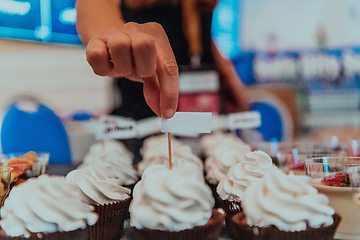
[(271, 123), (276, 123), (38, 130)]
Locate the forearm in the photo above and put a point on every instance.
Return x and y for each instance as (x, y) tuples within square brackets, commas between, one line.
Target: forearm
[(230, 81), (225, 67), (96, 16)]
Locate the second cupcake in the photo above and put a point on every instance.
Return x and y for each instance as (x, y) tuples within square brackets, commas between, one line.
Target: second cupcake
[(99, 187)]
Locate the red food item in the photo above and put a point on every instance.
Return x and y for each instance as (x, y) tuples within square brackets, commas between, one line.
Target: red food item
[(299, 167), (19, 165), (336, 180)]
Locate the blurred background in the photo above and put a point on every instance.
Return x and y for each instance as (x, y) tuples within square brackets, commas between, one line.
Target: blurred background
[(299, 60)]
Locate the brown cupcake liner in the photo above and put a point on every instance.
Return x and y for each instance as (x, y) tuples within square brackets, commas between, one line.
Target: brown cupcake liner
[(215, 194), (79, 234), (111, 221), (210, 231), (131, 186), (239, 230), (230, 207)]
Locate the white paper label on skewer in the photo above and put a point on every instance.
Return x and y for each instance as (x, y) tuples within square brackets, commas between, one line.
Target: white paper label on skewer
[(148, 126), (243, 120), (189, 124), (217, 123), (116, 127)]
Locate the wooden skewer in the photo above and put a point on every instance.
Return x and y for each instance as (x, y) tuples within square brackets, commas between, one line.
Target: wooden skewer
[(103, 144), (169, 143)]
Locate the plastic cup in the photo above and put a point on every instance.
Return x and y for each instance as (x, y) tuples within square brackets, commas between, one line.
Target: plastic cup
[(23, 168), (339, 191), (5, 183)]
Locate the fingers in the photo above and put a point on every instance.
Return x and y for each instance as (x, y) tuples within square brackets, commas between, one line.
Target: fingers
[(144, 53), (152, 94), (167, 71), (139, 52), (119, 47), (168, 77), (150, 55), (98, 57)]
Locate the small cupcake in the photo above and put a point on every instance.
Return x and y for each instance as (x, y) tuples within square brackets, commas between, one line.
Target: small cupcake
[(100, 188), (217, 165), (157, 141), (120, 166), (46, 208), (116, 158), (160, 155), (210, 142), (101, 149), (281, 206), (174, 204), (231, 188)]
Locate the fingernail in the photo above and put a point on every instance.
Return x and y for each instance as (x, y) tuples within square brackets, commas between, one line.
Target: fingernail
[(168, 113)]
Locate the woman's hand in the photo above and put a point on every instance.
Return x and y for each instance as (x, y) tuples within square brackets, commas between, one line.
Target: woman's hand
[(139, 52)]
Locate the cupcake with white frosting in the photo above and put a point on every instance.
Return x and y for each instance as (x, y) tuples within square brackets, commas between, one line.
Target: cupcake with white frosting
[(100, 188), (100, 149), (210, 142), (280, 206), (218, 164), (174, 204), (116, 158), (160, 155), (231, 188), (157, 141), (46, 208)]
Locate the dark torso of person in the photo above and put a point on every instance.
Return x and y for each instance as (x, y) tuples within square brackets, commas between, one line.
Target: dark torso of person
[(133, 104), (132, 100)]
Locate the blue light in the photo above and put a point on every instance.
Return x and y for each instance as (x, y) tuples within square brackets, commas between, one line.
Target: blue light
[(14, 7), (326, 164), (226, 26), (296, 156), (68, 16)]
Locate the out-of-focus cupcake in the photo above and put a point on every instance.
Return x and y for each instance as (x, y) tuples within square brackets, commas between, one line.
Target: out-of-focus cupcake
[(101, 149), (218, 164), (281, 206), (231, 188), (116, 158), (158, 141), (174, 204), (46, 208), (100, 188), (120, 166), (160, 155), (210, 142)]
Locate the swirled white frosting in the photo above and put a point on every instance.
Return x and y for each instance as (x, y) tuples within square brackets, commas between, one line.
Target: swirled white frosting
[(101, 149), (288, 202), (45, 204), (158, 141), (217, 165), (210, 142), (171, 200), (120, 166), (115, 157), (97, 185), (252, 166), (160, 155)]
